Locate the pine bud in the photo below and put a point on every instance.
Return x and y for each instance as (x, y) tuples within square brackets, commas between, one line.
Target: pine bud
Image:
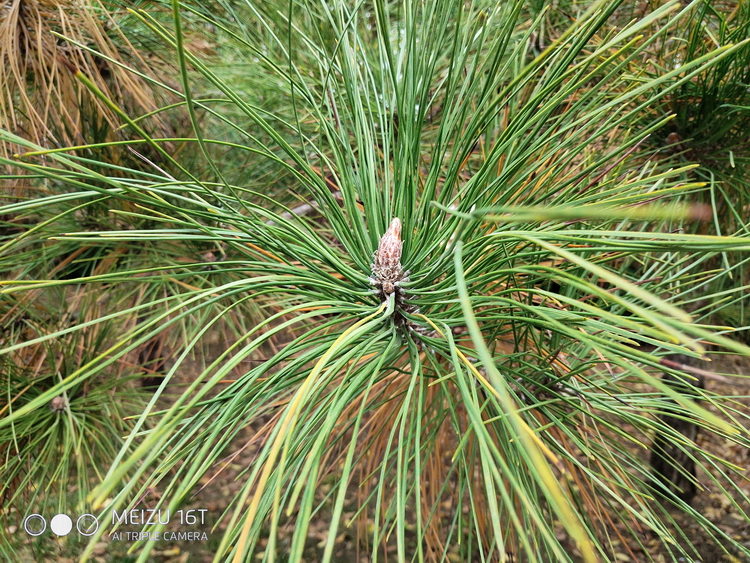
[(386, 268), (58, 404), (388, 255)]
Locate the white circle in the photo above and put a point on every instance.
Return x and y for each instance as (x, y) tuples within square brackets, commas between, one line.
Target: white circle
[(88, 522), (31, 517), (61, 524)]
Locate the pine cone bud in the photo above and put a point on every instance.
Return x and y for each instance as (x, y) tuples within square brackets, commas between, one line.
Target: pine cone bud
[(387, 273), (58, 404), (388, 256)]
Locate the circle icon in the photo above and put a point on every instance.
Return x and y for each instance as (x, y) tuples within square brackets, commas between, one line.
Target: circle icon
[(61, 524), (32, 527), (87, 524)]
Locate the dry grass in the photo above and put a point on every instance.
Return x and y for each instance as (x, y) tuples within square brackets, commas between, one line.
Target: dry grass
[(40, 98)]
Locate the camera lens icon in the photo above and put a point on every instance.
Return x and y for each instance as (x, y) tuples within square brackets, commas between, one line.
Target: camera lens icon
[(61, 524), (35, 524), (87, 524)]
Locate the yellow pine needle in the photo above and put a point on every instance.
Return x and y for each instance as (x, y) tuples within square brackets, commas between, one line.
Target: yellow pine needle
[(531, 443), (286, 426)]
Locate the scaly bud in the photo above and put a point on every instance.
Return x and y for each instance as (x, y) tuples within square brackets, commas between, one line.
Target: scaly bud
[(388, 256)]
